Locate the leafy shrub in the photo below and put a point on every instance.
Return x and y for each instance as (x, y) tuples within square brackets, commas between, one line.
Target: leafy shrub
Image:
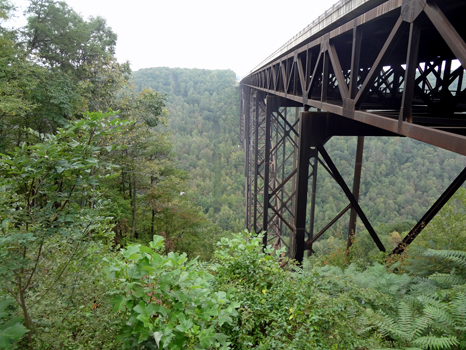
[(11, 328), (168, 299), (410, 312), (69, 303), (280, 307), (49, 191)]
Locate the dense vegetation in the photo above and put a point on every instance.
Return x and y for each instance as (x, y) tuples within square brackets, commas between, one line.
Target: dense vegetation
[(401, 177), (109, 221), (204, 107)]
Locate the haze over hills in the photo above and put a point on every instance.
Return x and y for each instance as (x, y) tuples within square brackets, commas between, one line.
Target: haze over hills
[(105, 243), (203, 107), (401, 177)]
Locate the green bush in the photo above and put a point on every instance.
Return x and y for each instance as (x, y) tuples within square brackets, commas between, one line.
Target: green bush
[(168, 301), (280, 306)]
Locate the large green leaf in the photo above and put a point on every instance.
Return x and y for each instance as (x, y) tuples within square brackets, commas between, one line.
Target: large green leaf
[(10, 332)]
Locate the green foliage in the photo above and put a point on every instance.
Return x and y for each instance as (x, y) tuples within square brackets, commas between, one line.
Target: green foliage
[(146, 197), (11, 330), (203, 109), (446, 230), (69, 302), (59, 204), (413, 328), (456, 261), (410, 312), (281, 308), (168, 299), (58, 36), (48, 190), (55, 68)]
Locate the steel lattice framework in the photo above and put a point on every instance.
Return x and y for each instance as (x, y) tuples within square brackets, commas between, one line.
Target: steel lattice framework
[(393, 68)]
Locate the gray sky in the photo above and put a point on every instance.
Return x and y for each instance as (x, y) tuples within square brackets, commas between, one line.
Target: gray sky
[(206, 34)]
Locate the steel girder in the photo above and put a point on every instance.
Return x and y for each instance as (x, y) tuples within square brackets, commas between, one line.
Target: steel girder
[(399, 67)]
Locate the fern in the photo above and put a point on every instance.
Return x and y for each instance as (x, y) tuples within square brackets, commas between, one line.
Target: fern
[(458, 258), (447, 280), (430, 261), (440, 313), (435, 343), (459, 308), (431, 329), (408, 326)]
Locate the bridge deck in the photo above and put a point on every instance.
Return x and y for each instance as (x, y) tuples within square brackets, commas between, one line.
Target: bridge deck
[(398, 66)]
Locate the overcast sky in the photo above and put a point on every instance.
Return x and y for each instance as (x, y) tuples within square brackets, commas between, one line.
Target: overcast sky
[(209, 34)]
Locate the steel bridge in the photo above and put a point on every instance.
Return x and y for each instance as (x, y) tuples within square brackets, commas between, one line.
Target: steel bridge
[(364, 68)]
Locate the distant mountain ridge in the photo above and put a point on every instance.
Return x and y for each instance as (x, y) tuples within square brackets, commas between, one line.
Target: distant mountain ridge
[(203, 108), (401, 177)]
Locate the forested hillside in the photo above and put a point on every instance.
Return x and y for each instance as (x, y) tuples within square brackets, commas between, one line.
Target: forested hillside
[(105, 237), (203, 109), (401, 177)]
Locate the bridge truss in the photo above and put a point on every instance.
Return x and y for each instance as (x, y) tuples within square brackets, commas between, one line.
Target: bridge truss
[(394, 68)]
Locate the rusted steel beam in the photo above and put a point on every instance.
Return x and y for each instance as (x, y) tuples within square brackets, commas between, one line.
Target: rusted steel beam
[(446, 140), (302, 185), (314, 75), (410, 74), (284, 76), (246, 111), (260, 111), (287, 123), (449, 192), (355, 59), (330, 224), (302, 78), (390, 43), (349, 195), (356, 185), (325, 73), (454, 41), (277, 213), (314, 155), (338, 71), (283, 183), (270, 107)]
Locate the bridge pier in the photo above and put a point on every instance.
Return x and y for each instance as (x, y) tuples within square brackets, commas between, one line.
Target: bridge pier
[(283, 152), (277, 196), (409, 82), (316, 128)]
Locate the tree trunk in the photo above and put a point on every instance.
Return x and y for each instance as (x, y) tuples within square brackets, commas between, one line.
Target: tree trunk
[(123, 189), (133, 205), (152, 180), (27, 319)]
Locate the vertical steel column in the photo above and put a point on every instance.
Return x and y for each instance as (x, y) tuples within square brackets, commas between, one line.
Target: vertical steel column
[(274, 223), (292, 240), (247, 179), (445, 95), (325, 76), (256, 159), (272, 106), (355, 58), (282, 197), (314, 155), (302, 185), (410, 74), (356, 185)]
